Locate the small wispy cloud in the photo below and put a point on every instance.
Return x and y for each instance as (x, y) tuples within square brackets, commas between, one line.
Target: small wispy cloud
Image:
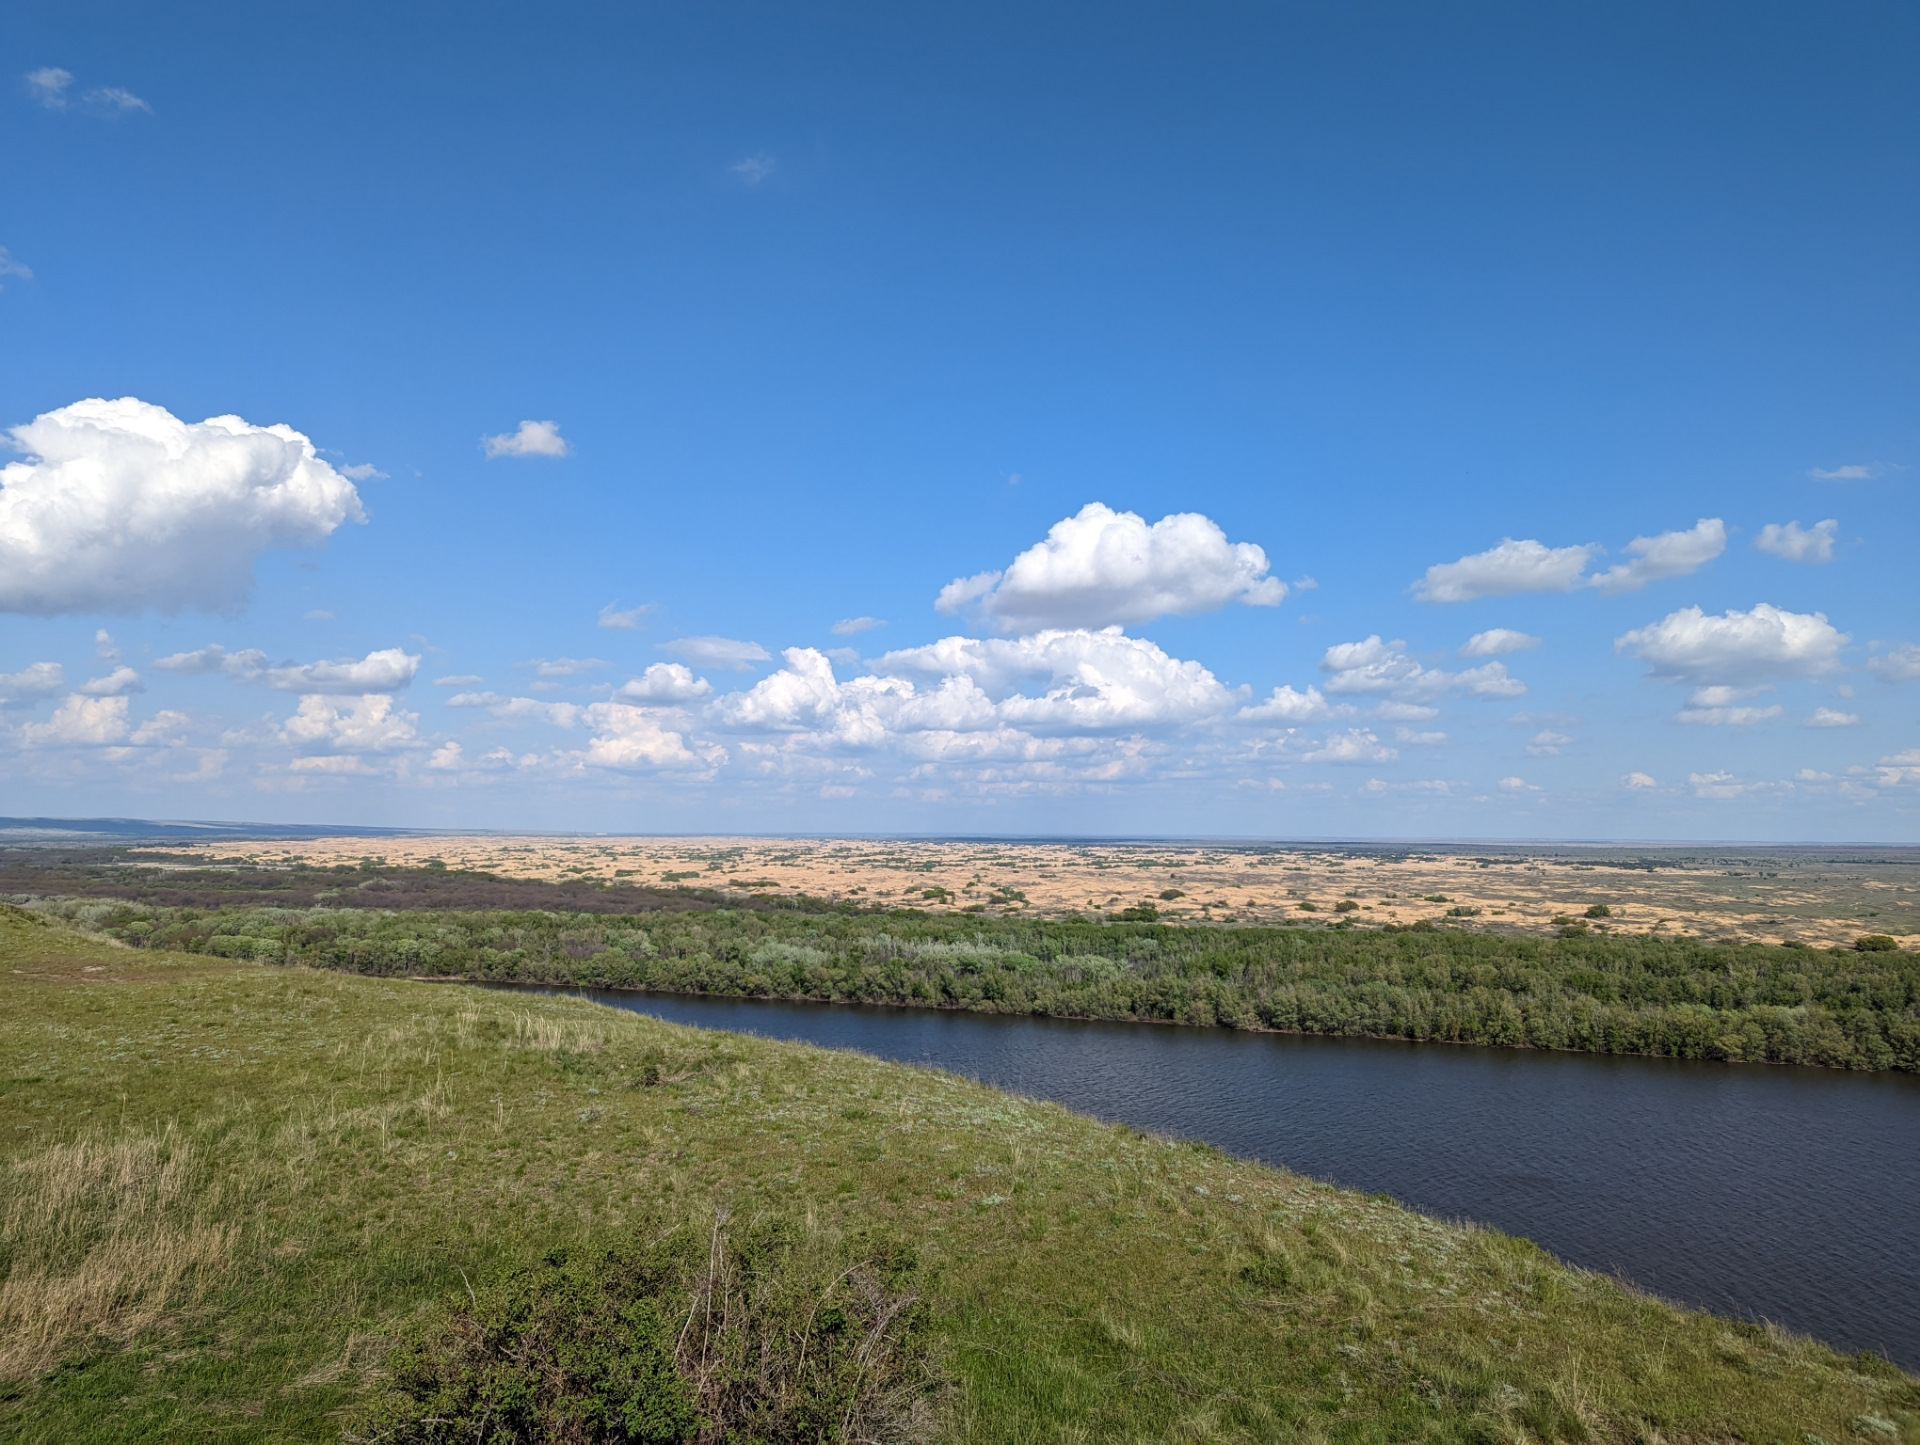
[(614, 615), (854, 626), (754, 168), (363, 472), (719, 651), (10, 267), (532, 439), (51, 88), (1853, 472), (112, 97), (1496, 641), (563, 666)]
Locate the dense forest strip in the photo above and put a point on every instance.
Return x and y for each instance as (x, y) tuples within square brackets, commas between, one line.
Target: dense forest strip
[(1855, 1008)]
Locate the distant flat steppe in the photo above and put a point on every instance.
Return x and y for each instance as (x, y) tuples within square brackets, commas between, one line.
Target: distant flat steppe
[(1813, 895)]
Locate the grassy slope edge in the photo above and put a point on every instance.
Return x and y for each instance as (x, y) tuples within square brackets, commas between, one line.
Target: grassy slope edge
[(225, 1186)]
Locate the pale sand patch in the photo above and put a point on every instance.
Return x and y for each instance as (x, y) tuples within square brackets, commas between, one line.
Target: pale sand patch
[(1773, 895)]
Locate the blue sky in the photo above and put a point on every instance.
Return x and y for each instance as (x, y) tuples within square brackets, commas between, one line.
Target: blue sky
[(828, 307)]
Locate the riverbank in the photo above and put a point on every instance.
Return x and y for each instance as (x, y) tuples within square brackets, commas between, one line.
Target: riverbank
[(1592, 992), (229, 1186)]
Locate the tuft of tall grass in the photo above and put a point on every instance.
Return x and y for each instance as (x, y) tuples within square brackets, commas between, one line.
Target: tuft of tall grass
[(103, 1236)]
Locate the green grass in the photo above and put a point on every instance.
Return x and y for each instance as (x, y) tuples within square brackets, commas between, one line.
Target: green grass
[(228, 1187), (1682, 998)]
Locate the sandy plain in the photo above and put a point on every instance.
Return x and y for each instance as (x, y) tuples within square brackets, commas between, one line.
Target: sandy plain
[(1813, 895)]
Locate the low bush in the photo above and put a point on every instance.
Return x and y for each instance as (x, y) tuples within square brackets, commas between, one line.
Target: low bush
[(754, 1334)]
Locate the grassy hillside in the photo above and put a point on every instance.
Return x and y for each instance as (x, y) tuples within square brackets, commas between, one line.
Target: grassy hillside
[(1685, 998), (228, 1189)]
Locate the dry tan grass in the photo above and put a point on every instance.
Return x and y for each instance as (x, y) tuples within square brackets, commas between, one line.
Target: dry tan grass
[(105, 1237), (556, 1035)]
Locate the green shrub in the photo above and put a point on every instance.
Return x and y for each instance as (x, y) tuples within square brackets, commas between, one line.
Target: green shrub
[(1599, 910), (757, 1334), (1874, 943), (578, 1347), (1345, 905)]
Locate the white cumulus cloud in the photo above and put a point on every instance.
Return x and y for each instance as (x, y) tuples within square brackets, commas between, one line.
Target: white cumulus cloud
[(350, 725), (1497, 640), (532, 439), (1072, 678), (1502, 571), (627, 738), (1640, 780), (121, 506), (1100, 567), (1755, 646), (1795, 543), (1285, 705), (80, 722), (1670, 554), (1829, 717), (663, 684)]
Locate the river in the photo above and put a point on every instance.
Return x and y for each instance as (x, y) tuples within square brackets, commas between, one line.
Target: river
[(1784, 1194)]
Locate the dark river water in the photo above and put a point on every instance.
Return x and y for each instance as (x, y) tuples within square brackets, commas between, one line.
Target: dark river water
[(1784, 1194)]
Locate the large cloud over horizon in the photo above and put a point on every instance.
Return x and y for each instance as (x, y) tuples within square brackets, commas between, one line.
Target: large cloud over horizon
[(1100, 568), (121, 506)]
